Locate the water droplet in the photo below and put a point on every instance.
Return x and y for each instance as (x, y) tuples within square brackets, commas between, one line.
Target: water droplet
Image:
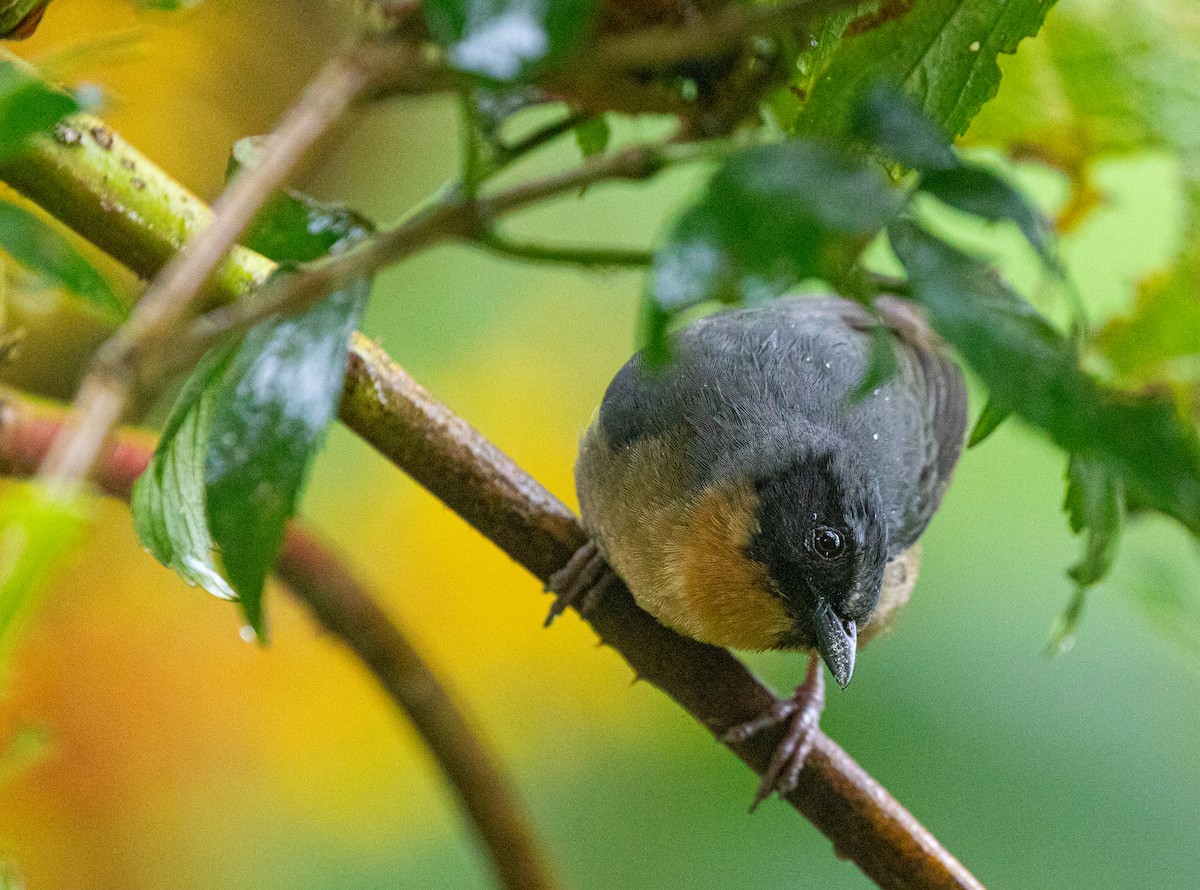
[(246, 632), (875, 436), (975, 47), (828, 365)]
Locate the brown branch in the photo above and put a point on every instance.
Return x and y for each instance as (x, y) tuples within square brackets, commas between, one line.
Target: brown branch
[(109, 385), (446, 455), (317, 578), (468, 473), (455, 217)]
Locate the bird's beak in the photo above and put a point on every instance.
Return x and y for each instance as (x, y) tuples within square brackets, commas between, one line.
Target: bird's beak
[(837, 641)]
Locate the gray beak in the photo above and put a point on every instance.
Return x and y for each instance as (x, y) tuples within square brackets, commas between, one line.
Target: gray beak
[(837, 641)]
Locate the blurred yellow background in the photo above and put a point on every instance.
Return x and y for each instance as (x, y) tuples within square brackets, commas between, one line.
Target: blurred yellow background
[(166, 753)]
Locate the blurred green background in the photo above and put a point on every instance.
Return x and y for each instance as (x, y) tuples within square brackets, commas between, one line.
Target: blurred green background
[(155, 749)]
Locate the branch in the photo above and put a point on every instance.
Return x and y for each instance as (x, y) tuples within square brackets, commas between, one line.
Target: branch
[(109, 385), (483, 485), (318, 579), (455, 217), (497, 497)]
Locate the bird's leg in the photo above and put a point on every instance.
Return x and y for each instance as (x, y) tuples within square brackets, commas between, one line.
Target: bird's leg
[(579, 582), (802, 713)]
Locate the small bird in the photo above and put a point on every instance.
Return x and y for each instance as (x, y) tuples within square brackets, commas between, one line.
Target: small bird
[(750, 497)]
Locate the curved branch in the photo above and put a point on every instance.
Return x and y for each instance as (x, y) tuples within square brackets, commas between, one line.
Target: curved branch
[(446, 455), (173, 295), (317, 578)]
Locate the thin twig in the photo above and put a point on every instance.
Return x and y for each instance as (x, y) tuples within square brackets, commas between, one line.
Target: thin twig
[(486, 488), (588, 257), (457, 216), (106, 391), (314, 574)]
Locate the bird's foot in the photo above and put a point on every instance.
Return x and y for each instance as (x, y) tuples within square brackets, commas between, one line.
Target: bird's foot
[(802, 714), (579, 583)]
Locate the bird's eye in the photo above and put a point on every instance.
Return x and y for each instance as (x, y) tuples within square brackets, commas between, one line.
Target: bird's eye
[(828, 542)]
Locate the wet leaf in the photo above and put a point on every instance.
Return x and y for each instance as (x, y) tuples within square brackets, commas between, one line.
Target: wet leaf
[(770, 217), (43, 249), (28, 106), (942, 53), (1095, 506), (1031, 369), (270, 416), (892, 122), (507, 40), (170, 513), (982, 193), (233, 460)]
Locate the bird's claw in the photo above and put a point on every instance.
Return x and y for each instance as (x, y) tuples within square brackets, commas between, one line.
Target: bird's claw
[(802, 714), (579, 583)]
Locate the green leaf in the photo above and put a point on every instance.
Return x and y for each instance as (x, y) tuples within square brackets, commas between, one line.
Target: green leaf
[(987, 423), (942, 53), (1112, 78), (294, 227), (592, 136), (270, 417), (507, 40), (169, 500), (42, 249), (37, 533), (892, 122), (1095, 506), (28, 106), (980, 192), (236, 451), (772, 216), (1031, 369)]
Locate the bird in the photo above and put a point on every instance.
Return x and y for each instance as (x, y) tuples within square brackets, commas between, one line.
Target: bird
[(752, 496)]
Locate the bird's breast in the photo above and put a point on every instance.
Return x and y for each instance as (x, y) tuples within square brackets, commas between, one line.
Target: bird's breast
[(681, 552)]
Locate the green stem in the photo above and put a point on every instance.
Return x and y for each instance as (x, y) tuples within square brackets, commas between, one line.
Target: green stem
[(589, 257)]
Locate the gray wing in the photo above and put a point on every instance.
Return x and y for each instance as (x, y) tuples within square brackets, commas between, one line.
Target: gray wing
[(748, 390)]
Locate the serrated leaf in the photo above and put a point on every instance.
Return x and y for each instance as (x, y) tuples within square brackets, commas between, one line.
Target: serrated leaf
[(988, 422), (771, 216), (1095, 506), (942, 53), (37, 533), (982, 193), (169, 501), (1112, 78), (892, 122), (28, 106), (507, 40), (1030, 368), (43, 249)]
